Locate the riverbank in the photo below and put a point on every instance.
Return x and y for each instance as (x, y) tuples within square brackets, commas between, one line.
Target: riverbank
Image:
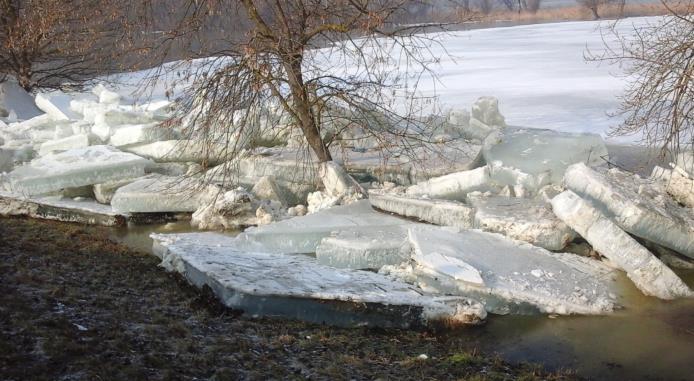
[(76, 305)]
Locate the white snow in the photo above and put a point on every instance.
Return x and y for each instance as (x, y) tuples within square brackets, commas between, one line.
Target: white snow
[(647, 272)]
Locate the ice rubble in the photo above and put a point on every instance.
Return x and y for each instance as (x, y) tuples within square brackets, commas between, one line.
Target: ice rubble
[(439, 212), (677, 182), (56, 104), (75, 168), (295, 286), (526, 220), (509, 275), (155, 193), (648, 273), (179, 151), (140, 134), (364, 247), (543, 153), (637, 205)]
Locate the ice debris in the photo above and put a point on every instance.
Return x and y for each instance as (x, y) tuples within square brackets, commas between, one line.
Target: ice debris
[(648, 273)]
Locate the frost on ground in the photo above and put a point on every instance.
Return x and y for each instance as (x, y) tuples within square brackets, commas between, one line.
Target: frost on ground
[(296, 286)]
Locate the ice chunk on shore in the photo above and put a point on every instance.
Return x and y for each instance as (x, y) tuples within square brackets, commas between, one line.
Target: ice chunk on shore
[(57, 105), (76, 168), (647, 272), (454, 186), (636, 206), (303, 234), (544, 152), (16, 101), (162, 194), (140, 134), (512, 272), (179, 151), (364, 248), (105, 95), (681, 187), (65, 144), (337, 181), (295, 286), (439, 212), (486, 110), (83, 211), (526, 220)]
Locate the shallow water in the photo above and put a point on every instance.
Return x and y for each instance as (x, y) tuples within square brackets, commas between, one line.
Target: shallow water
[(648, 339)]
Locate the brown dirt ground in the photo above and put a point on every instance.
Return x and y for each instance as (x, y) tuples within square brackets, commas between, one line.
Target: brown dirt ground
[(76, 306)]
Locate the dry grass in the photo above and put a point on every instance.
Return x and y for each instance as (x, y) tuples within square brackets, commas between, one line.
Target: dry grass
[(575, 13)]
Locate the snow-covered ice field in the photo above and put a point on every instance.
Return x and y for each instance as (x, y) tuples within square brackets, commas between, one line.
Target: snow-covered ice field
[(538, 73)]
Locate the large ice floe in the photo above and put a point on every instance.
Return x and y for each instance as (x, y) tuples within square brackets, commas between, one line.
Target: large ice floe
[(75, 168), (508, 276), (647, 272), (296, 286), (637, 205)]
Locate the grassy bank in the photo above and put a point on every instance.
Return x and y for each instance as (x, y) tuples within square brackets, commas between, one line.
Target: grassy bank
[(76, 306)]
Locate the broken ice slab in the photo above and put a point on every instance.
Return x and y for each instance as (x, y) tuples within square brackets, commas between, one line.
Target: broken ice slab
[(140, 134), (156, 194), (295, 286), (104, 192), (544, 152), (6, 160), (303, 234), (637, 205), (647, 272), (17, 102), (179, 151), (57, 105), (420, 165), (515, 275), (364, 247), (64, 144), (84, 211), (76, 168), (454, 186), (438, 212), (685, 160), (526, 220)]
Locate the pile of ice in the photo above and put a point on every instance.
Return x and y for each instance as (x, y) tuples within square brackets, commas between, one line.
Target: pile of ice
[(495, 218), (98, 146)]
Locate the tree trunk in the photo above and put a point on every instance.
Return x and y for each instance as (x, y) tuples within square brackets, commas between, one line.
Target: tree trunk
[(301, 105), (594, 10)]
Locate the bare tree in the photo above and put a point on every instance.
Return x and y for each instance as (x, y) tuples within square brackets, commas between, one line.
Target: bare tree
[(45, 43), (594, 6), (658, 62), (322, 69)]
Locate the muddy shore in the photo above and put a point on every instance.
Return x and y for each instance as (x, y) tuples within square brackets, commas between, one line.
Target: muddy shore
[(75, 305)]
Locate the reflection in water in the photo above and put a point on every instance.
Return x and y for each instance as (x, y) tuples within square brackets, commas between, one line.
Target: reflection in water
[(648, 339)]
